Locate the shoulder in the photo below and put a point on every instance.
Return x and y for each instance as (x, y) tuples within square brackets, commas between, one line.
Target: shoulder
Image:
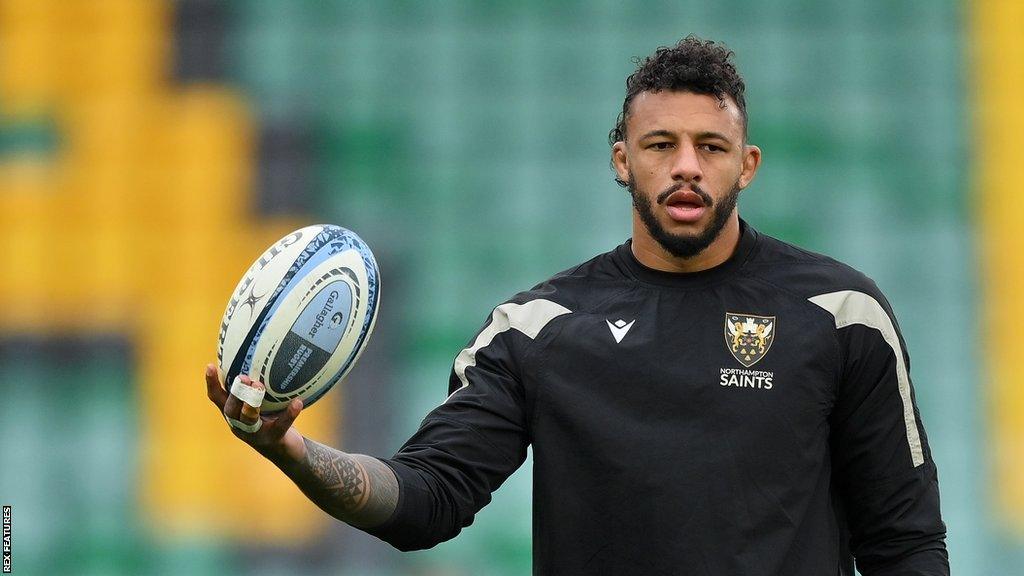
[(848, 295), (581, 286), (804, 273), (515, 326), (571, 291)]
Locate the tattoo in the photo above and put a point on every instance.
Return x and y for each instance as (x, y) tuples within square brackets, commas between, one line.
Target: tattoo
[(383, 499), (340, 475), (356, 489)]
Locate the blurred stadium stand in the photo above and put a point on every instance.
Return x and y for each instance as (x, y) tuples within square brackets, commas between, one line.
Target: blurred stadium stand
[(150, 149)]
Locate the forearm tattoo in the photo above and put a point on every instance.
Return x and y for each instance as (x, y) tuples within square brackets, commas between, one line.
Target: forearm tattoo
[(340, 476), (357, 489), (383, 493)]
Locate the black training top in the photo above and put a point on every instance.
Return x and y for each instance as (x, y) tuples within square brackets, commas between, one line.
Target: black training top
[(756, 418)]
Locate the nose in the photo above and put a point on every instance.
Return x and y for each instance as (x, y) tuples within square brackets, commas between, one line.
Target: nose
[(686, 164)]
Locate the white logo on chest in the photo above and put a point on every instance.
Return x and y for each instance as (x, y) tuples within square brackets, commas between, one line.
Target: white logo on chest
[(619, 328)]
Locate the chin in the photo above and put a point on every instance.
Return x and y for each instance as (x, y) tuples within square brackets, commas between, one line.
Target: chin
[(687, 229)]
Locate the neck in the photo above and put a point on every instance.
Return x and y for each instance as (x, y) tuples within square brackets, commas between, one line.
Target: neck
[(651, 254)]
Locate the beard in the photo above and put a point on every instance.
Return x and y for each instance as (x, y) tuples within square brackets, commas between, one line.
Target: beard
[(684, 245)]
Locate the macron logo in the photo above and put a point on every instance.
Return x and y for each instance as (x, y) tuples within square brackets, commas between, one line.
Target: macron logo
[(619, 328)]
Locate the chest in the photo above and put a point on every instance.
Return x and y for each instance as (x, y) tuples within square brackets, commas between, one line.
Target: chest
[(746, 365)]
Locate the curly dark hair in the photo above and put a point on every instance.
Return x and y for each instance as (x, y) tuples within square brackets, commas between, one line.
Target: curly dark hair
[(693, 65)]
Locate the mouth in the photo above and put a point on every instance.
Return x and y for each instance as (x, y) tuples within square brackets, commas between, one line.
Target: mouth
[(685, 206)]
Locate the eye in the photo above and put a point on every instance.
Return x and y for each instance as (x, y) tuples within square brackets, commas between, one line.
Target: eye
[(660, 145), (712, 148)]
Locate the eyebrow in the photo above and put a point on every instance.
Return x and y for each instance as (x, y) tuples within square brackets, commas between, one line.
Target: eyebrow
[(700, 135)]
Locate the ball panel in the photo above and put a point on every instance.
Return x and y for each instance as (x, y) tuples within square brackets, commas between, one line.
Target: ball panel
[(365, 336), (346, 268), (312, 339), (297, 361)]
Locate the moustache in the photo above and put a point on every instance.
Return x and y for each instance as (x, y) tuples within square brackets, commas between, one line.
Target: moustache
[(708, 201)]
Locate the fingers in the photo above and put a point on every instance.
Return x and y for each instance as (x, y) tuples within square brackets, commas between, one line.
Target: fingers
[(214, 391), (233, 404), (283, 422), (248, 414), (273, 428), (241, 414)]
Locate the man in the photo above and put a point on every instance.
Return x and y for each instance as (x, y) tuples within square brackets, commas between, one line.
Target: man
[(703, 399)]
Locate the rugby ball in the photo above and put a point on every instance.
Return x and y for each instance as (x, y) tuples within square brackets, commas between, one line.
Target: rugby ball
[(301, 315)]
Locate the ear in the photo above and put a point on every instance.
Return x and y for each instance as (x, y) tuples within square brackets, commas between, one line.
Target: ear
[(620, 160), (751, 162)]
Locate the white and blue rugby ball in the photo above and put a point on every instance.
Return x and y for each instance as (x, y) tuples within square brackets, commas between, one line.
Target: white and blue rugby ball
[(301, 315)]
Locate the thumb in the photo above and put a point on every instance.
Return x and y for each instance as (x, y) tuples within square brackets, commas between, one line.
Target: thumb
[(287, 418)]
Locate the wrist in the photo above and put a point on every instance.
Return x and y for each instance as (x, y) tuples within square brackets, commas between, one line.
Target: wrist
[(288, 453)]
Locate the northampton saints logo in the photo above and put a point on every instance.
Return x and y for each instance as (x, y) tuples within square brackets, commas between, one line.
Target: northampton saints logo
[(748, 336)]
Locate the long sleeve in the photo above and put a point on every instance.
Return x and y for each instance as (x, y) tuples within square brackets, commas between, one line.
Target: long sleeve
[(881, 461), (466, 447)]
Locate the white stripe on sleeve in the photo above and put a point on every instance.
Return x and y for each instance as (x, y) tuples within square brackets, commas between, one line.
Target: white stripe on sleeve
[(529, 318), (852, 307)]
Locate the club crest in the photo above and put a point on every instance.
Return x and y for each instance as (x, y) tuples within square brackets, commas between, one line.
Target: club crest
[(749, 337)]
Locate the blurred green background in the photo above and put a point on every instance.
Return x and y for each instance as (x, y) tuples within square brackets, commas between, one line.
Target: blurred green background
[(150, 150)]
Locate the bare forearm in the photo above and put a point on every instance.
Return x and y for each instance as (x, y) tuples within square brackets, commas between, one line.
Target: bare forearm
[(357, 489)]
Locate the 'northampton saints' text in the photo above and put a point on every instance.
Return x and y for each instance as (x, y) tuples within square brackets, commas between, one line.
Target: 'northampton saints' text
[(741, 378)]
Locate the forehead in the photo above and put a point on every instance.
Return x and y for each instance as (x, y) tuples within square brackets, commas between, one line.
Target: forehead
[(683, 112)]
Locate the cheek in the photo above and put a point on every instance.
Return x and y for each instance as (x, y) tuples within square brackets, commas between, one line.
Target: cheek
[(728, 171), (647, 178), (651, 167)]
